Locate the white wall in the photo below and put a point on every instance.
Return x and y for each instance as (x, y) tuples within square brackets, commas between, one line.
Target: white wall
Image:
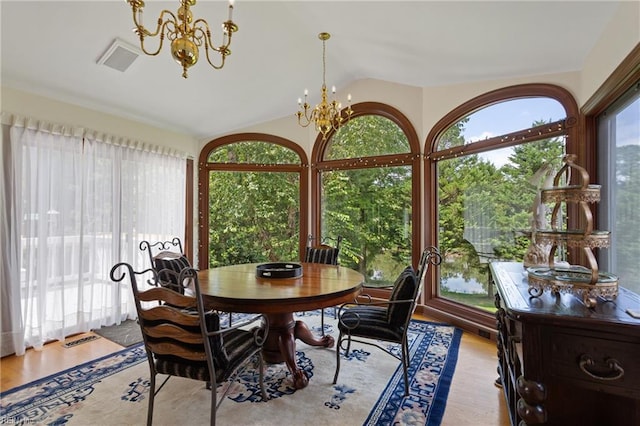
[(422, 106), (425, 106), (47, 109), (405, 98), (617, 40)]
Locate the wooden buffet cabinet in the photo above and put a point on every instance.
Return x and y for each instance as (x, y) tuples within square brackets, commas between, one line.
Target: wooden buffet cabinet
[(561, 363)]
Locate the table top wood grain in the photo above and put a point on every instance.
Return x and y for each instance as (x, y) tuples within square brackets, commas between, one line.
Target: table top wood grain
[(236, 288)]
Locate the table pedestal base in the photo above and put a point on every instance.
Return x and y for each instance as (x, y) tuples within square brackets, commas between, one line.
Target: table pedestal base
[(281, 344)]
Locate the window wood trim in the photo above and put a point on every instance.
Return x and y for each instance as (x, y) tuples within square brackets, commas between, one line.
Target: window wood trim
[(188, 220), (318, 165), (204, 168), (621, 79), (447, 309)]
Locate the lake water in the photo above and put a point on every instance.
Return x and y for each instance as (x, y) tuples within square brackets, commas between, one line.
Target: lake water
[(458, 284)]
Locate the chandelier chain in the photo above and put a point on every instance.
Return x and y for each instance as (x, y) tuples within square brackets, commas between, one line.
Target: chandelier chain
[(324, 62)]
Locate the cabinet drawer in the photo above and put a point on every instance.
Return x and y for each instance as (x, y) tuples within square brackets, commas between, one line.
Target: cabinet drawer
[(610, 366)]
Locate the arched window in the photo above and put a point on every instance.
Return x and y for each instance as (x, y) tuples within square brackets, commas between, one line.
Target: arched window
[(365, 188), (252, 200), (485, 162)]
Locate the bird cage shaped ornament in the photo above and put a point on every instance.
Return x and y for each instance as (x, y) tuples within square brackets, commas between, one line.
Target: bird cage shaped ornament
[(571, 186)]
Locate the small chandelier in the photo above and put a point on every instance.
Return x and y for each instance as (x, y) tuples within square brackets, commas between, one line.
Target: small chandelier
[(185, 34), (325, 115)]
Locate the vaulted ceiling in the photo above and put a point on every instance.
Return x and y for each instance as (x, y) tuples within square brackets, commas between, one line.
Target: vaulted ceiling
[(52, 48)]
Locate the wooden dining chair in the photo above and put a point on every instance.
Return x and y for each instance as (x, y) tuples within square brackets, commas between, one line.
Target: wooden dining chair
[(387, 320), (182, 338), (321, 252)]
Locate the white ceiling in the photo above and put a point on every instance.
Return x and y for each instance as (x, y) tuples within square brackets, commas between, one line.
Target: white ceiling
[(51, 48)]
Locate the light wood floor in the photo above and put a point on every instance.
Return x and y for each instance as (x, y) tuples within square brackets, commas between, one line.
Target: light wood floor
[(473, 398)]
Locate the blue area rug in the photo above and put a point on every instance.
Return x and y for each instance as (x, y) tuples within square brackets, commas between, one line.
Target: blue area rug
[(370, 391), (434, 353)]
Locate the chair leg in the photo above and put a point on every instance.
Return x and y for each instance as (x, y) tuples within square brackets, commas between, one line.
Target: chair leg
[(152, 394), (214, 404), (338, 345), (405, 366), (265, 397), (322, 320)]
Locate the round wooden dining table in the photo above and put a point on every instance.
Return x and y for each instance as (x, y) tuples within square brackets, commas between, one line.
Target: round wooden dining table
[(237, 288)]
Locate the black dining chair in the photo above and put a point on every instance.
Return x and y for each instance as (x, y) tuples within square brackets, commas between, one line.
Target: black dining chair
[(385, 320), (169, 256), (324, 253), (184, 339), (166, 255)]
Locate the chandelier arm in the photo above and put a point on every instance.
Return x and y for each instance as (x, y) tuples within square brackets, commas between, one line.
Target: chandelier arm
[(336, 116), (314, 114), (163, 26), (205, 34), (307, 119), (161, 22), (223, 56), (301, 123), (165, 29), (198, 36)]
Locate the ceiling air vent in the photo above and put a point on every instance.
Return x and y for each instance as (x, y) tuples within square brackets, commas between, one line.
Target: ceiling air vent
[(119, 56)]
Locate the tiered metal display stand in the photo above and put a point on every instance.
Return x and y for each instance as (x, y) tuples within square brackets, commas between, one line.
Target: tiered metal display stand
[(588, 284)]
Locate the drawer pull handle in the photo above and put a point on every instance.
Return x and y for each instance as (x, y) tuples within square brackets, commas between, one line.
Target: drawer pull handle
[(615, 370)]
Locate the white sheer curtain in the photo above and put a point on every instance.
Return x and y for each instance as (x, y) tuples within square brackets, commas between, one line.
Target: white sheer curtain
[(12, 328), (47, 162), (151, 202), (80, 203)]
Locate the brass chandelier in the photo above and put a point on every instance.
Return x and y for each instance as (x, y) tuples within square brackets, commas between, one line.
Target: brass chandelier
[(185, 34), (325, 115)]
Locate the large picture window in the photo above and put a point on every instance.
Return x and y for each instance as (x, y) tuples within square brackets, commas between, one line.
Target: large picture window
[(487, 162), (365, 178), (252, 200)]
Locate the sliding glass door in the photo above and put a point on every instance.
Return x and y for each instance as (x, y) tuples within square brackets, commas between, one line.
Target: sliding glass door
[(78, 204)]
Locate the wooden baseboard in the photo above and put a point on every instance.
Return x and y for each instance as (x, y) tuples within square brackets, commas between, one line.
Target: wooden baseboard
[(463, 323)]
